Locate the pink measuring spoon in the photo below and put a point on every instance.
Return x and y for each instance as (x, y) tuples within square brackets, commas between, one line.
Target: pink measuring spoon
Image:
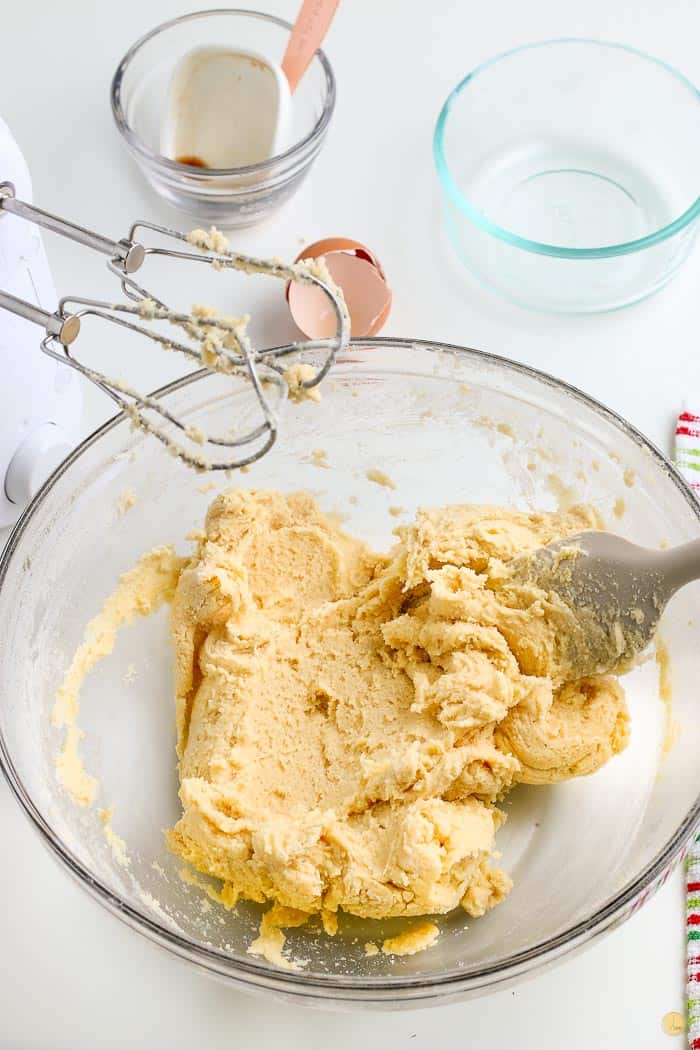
[(306, 37)]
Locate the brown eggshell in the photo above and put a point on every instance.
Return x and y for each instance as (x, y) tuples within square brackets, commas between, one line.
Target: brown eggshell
[(340, 244), (360, 275)]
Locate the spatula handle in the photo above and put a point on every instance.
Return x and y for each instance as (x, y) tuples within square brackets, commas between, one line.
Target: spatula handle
[(309, 30), (681, 564)]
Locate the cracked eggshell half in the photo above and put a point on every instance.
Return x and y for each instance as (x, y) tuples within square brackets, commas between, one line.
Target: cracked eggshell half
[(356, 270)]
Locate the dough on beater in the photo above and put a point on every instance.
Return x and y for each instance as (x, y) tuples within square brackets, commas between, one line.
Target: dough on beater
[(347, 720), (295, 376)]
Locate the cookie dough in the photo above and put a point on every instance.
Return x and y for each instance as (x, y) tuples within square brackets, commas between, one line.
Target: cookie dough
[(348, 720), (412, 941)]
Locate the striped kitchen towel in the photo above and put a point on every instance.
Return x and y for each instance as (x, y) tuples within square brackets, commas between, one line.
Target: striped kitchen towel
[(687, 455), (688, 448), (693, 930)]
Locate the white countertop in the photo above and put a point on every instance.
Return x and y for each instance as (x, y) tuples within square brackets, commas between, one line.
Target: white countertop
[(72, 976)]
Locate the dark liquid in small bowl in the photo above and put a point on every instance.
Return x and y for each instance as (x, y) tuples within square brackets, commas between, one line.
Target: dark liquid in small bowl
[(194, 162)]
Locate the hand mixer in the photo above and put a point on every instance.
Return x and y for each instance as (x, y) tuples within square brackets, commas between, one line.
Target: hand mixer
[(219, 344)]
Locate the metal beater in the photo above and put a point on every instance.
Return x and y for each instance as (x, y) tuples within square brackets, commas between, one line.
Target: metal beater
[(219, 344)]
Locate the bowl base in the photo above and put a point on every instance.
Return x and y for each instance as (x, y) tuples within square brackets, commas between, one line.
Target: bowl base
[(570, 207), (568, 196)]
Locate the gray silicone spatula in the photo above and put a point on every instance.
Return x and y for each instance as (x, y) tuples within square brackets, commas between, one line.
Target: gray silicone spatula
[(616, 590)]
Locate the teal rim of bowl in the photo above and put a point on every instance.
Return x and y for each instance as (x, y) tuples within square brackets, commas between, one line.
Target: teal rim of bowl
[(479, 219)]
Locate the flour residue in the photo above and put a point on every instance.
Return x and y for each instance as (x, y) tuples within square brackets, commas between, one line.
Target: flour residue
[(329, 921), (139, 592), (497, 426), (271, 940), (564, 494), (115, 842), (225, 896), (126, 501), (671, 727), (319, 458), (412, 941), (380, 478)]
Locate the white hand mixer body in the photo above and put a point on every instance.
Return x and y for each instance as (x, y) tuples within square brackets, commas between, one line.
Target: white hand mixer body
[(40, 401)]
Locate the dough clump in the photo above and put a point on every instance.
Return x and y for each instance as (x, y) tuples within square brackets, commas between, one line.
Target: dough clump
[(347, 720)]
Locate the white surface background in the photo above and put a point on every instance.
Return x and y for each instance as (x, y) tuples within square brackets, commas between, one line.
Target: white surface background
[(70, 975)]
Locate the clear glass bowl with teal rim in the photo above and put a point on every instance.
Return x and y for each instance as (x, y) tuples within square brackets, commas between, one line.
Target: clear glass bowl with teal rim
[(570, 172)]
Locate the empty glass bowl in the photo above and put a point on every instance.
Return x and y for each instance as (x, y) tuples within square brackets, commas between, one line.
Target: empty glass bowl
[(448, 426), (569, 172), (226, 197)]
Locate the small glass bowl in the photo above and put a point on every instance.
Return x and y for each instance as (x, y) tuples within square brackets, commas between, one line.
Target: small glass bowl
[(570, 172), (227, 197)]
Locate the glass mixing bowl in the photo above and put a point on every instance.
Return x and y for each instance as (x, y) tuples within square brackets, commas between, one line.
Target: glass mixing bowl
[(447, 425), (569, 171), (228, 197)]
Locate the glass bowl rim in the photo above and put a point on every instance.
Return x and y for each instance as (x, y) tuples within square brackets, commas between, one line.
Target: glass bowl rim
[(261, 167), (456, 196), (346, 988)]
